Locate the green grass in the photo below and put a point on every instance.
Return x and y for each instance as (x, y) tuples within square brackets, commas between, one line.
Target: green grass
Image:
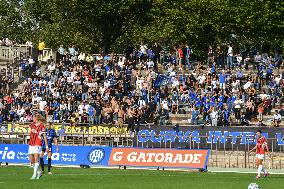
[(12, 177)]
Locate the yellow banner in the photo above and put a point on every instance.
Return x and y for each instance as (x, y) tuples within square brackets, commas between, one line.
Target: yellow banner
[(75, 130)]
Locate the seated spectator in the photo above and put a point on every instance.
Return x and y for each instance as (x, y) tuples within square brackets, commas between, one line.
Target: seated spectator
[(276, 119)]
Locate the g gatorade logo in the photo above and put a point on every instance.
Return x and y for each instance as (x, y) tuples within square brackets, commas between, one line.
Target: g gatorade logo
[(96, 155)]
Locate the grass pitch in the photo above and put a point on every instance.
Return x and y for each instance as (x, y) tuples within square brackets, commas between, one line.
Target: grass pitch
[(12, 177)]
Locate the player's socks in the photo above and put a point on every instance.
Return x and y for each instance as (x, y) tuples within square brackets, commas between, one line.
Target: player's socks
[(35, 169), (260, 167), (264, 172), (39, 174), (41, 164), (49, 164)]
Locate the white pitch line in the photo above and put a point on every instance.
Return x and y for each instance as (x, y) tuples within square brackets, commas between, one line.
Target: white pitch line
[(102, 174), (244, 172)]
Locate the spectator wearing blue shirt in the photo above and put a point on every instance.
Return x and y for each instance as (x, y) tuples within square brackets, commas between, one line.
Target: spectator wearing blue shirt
[(194, 116), (222, 80), (91, 113), (213, 68), (206, 110), (56, 116), (1, 117), (226, 116), (157, 100), (72, 51)]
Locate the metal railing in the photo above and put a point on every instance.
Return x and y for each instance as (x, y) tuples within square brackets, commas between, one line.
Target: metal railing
[(221, 155), (12, 52), (227, 155), (224, 155)]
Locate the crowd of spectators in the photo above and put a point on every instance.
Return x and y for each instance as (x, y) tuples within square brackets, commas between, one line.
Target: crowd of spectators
[(146, 85)]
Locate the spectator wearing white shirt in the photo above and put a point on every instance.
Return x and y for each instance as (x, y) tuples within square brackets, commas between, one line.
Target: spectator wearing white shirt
[(72, 51), (278, 79), (230, 56), (214, 117), (143, 49), (42, 105), (175, 82), (257, 58), (238, 104), (276, 119), (20, 111), (82, 56), (61, 52), (201, 79), (141, 103), (51, 67), (29, 43), (239, 59), (165, 105)]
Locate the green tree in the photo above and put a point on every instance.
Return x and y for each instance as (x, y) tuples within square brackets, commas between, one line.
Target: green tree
[(110, 25)]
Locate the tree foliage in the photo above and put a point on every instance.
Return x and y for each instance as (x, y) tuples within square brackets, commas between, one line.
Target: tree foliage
[(110, 25)]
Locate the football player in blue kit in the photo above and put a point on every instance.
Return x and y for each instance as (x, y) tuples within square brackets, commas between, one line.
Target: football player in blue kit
[(51, 138)]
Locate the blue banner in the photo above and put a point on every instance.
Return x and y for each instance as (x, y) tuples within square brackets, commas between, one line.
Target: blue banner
[(68, 155)]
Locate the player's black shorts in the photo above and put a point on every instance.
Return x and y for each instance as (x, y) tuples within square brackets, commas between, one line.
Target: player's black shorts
[(49, 148)]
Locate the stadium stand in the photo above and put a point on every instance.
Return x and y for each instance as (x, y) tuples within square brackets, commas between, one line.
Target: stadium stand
[(146, 85)]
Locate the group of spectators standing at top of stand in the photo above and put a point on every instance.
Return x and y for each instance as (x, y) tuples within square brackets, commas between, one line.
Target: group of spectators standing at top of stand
[(233, 87)]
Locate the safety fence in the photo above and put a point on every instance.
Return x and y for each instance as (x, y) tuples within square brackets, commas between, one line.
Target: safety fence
[(229, 146), (221, 155)]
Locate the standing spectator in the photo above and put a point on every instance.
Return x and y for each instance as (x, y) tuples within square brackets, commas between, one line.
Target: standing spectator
[(194, 116), (214, 117), (98, 112), (61, 52), (91, 115), (226, 116), (41, 47), (72, 51), (187, 55), (180, 57), (222, 80), (230, 57), (210, 54), (163, 117), (237, 109), (220, 57), (260, 111), (56, 116), (42, 104)]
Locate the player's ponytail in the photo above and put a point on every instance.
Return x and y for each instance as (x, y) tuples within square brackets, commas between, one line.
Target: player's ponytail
[(40, 118)]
